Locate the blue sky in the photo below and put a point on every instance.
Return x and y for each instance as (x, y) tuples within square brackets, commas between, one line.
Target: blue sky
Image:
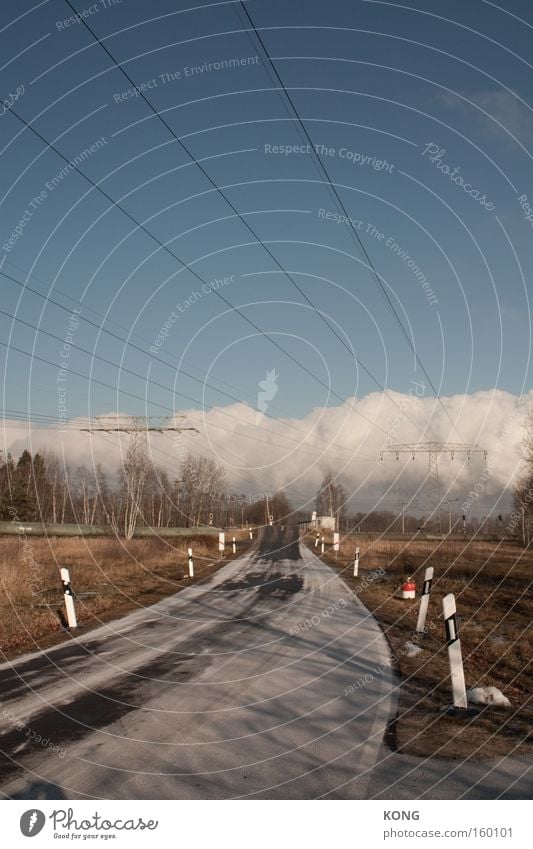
[(376, 84)]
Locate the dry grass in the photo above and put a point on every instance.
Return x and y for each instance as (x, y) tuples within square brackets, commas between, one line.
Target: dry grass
[(492, 583), (109, 577)]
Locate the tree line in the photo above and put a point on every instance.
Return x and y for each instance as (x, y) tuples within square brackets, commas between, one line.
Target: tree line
[(41, 488), (520, 521), (331, 501)]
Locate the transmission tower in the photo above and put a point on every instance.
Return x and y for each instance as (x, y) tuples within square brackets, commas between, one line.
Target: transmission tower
[(135, 466), (434, 450), (138, 428), (136, 424)]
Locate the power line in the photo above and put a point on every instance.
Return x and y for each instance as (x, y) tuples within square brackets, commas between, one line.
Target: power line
[(347, 219), (193, 272), (173, 391), (434, 450), (152, 449), (214, 184), (142, 351), (134, 425), (123, 368), (99, 327), (233, 208), (168, 389)]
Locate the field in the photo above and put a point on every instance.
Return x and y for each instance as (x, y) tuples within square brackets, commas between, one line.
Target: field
[(109, 577), (491, 582), (492, 585)]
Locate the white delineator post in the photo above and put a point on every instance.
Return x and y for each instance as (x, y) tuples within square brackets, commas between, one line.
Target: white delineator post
[(191, 563), (234, 548), (221, 542), (69, 599), (454, 652), (271, 520), (322, 545), (336, 543), (251, 534), (424, 600), (316, 540), (356, 563)]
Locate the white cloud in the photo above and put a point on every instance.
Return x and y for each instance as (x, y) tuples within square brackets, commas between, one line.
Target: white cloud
[(501, 105), (296, 453)]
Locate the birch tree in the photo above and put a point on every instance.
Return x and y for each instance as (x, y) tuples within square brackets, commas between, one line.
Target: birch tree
[(135, 472)]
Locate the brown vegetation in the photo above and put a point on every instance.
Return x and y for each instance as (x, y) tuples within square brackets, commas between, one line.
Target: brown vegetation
[(109, 577), (491, 582)]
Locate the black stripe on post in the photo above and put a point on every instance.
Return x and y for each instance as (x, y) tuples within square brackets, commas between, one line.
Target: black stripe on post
[(452, 631)]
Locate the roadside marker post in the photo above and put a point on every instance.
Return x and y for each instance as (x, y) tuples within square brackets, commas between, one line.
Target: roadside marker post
[(322, 545), (455, 656), (69, 599), (191, 563), (336, 543), (221, 542), (316, 540), (356, 563), (234, 548), (210, 518), (271, 520), (424, 601), (251, 534)]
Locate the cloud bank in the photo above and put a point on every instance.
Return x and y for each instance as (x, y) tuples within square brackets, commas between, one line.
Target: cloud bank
[(355, 441)]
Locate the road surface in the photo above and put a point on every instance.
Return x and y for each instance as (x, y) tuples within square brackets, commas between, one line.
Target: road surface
[(269, 680), (236, 687)]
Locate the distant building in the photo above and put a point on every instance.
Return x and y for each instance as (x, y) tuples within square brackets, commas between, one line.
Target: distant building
[(327, 523)]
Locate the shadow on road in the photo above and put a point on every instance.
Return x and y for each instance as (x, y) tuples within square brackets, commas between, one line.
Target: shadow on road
[(277, 544), (40, 790), (274, 585)]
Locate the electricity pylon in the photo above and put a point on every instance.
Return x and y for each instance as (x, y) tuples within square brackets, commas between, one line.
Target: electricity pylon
[(135, 465), (434, 450), (136, 424), (138, 428)]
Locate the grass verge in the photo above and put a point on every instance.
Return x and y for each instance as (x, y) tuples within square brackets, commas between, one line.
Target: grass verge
[(492, 583), (109, 577)]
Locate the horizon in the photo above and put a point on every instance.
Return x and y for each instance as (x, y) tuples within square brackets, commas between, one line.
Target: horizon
[(265, 214)]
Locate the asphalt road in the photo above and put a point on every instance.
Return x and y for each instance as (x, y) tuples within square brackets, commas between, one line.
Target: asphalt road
[(235, 687), (269, 680)]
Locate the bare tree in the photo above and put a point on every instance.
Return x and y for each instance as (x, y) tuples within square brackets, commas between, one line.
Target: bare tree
[(280, 507), (55, 482), (44, 488), (135, 472), (521, 521), (331, 500), (84, 493), (203, 481), (158, 498)]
